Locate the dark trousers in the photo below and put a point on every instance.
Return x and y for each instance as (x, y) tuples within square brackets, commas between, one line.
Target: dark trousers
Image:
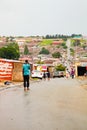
[(72, 76), (26, 81)]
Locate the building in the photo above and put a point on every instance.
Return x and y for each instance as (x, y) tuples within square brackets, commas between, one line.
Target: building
[(81, 67), (10, 70)]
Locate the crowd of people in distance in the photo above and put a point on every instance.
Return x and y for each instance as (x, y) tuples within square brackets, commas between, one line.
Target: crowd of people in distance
[(69, 73)]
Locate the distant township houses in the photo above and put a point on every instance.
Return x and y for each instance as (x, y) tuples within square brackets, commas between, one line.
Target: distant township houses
[(57, 42), (34, 49), (2, 41)]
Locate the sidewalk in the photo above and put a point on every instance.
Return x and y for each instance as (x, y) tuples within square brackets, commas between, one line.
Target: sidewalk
[(11, 84), (83, 82), (14, 84)]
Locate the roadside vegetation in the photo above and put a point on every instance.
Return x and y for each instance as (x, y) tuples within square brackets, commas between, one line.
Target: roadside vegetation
[(10, 51), (60, 67)]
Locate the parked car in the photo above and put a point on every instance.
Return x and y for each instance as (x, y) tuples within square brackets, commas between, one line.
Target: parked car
[(58, 74), (37, 74)]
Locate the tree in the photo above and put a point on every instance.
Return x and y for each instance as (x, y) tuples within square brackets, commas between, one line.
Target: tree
[(84, 46), (64, 45), (76, 42), (60, 67), (56, 55), (10, 51), (40, 62), (26, 51), (72, 51), (44, 51), (14, 45)]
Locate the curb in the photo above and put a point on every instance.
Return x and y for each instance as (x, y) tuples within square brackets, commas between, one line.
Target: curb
[(3, 87), (9, 86)]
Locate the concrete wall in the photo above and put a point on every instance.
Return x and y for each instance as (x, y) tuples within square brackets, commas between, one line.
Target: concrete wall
[(76, 65)]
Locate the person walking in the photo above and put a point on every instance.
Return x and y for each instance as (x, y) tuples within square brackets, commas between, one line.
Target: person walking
[(48, 73), (26, 75), (72, 73), (67, 73), (44, 75)]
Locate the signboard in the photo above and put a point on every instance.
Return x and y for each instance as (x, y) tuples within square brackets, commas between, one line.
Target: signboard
[(6, 70), (44, 67)]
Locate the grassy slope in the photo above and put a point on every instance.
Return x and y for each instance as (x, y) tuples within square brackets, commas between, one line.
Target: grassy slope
[(46, 42)]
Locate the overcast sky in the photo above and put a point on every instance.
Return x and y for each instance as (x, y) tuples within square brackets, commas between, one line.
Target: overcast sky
[(42, 17)]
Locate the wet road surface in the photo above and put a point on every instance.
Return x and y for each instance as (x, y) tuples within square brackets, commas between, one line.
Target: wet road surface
[(58, 104)]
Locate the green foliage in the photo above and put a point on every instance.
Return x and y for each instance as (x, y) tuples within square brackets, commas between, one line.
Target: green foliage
[(76, 35), (57, 36), (76, 42), (26, 51), (84, 46), (56, 55), (64, 45), (11, 51), (85, 55), (14, 45), (44, 51), (72, 51), (58, 46), (40, 62), (60, 67)]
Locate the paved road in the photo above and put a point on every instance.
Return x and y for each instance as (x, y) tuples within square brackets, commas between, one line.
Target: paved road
[(58, 104), (68, 43)]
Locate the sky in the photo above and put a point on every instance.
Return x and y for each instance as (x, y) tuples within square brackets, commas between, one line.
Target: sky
[(42, 17)]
